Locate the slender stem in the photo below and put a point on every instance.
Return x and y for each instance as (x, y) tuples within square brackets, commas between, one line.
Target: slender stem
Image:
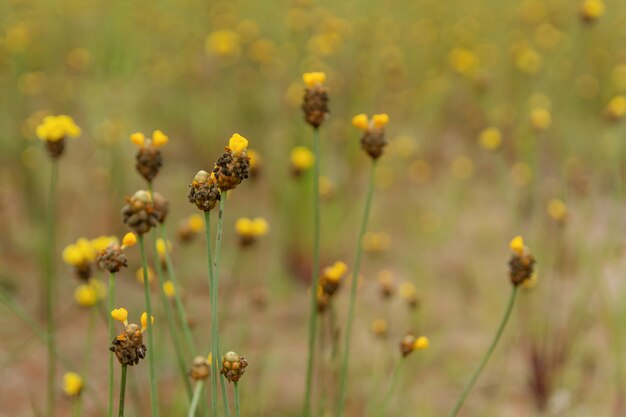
[(213, 291), (122, 390), (218, 251), (485, 359), (150, 351), (196, 396), (78, 406), (49, 286), (237, 406), (314, 275), (343, 378), (111, 336), (391, 387)]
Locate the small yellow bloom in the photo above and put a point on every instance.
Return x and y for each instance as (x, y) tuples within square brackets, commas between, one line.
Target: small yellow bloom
[(531, 282), (144, 321), (72, 384), (540, 118), (517, 245), (557, 209), (195, 222), (616, 109), (376, 242), (379, 327), (73, 255), (159, 139), (162, 246), (55, 128), (360, 121), (490, 138), (255, 159), (421, 343), (139, 275), (311, 79), (528, 60), (223, 43), (169, 289), (86, 295), (138, 139), (302, 158), (237, 144), (593, 9), (130, 239), (243, 226), (380, 120), (336, 271), (464, 61), (260, 226), (407, 290), (120, 314), (101, 243)]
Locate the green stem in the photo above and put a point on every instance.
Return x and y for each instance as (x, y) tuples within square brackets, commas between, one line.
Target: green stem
[(237, 406), (93, 314), (343, 378), (196, 396), (213, 298), (122, 390), (218, 251), (49, 286), (150, 351), (485, 359), (111, 336), (78, 405), (391, 387), (314, 275), (171, 324)]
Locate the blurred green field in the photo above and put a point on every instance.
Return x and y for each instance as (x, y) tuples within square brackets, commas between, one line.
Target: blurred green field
[(505, 120)]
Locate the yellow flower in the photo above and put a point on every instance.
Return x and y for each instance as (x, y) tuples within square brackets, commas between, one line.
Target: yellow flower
[(259, 226), (360, 121), (237, 144), (531, 282), (616, 109), (421, 343), (223, 43), (302, 158), (101, 243), (144, 321), (55, 128), (592, 9), (376, 242), (380, 120), (86, 295), (517, 245), (243, 226), (528, 60), (336, 271), (161, 247), (379, 327), (72, 384), (130, 239), (407, 290), (195, 222), (490, 138), (169, 289), (557, 209), (120, 314), (540, 118), (73, 255), (138, 139), (159, 139), (139, 275), (464, 61), (85, 251), (311, 79), (255, 159)]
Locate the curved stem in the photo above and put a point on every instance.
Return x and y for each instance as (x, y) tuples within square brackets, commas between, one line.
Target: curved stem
[(391, 387), (343, 380), (213, 291), (237, 406), (314, 275), (150, 351), (111, 336), (122, 391), (196, 396), (49, 286), (485, 359)]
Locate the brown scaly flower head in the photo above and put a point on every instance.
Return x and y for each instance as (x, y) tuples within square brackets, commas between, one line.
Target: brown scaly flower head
[(139, 214), (203, 191), (233, 366), (149, 159), (234, 165), (128, 346), (329, 283), (373, 140), (522, 263), (200, 368), (113, 258), (410, 343), (54, 130), (315, 101)]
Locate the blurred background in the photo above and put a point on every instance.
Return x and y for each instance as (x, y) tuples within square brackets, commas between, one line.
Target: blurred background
[(505, 120)]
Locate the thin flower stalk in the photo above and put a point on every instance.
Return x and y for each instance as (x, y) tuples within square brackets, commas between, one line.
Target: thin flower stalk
[(343, 379), (395, 377), (122, 390), (150, 353), (213, 290), (237, 404), (196, 397), (111, 306)]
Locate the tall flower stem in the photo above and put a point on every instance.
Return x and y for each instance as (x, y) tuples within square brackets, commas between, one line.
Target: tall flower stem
[(391, 387), (111, 336), (314, 275), (485, 359), (216, 274), (150, 353), (237, 405), (343, 377), (49, 286), (122, 390), (213, 291), (194, 400)]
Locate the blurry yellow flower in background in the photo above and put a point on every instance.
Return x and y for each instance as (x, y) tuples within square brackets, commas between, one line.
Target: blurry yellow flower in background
[(169, 289), (462, 167), (249, 230), (557, 210), (616, 109), (521, 173), (540, 119), (526, 59), (490, 138), (88, 294), (379, 327), (139, 275), (224, 43), (72, 384), (376, 242), (464, 61), (55, 128), (517, 245), (592, 10), (302, 159)]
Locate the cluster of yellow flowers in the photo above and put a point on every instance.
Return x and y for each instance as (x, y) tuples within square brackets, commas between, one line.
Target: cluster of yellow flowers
[(90, 293), (55, 128), (121, 315), (311, 79), (251, 228), (85, 251), (159, 139), (378, 121)]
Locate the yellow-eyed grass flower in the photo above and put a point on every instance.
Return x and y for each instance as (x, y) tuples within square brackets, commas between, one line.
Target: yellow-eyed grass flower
[(315, 101), (54, 130), (540, 119), (149, 159), (233, 166), (522, 269), (557, 210), (616, 108), (380, 328), (249, 230), (386, 284), (592, 10), (302, 159), (138, 214), (490, 138), (203, 191), (189, 228), (72, 384), (410, 343), (89, 294), (128, 346), (408, 293), (373, 140), (256, 164)]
